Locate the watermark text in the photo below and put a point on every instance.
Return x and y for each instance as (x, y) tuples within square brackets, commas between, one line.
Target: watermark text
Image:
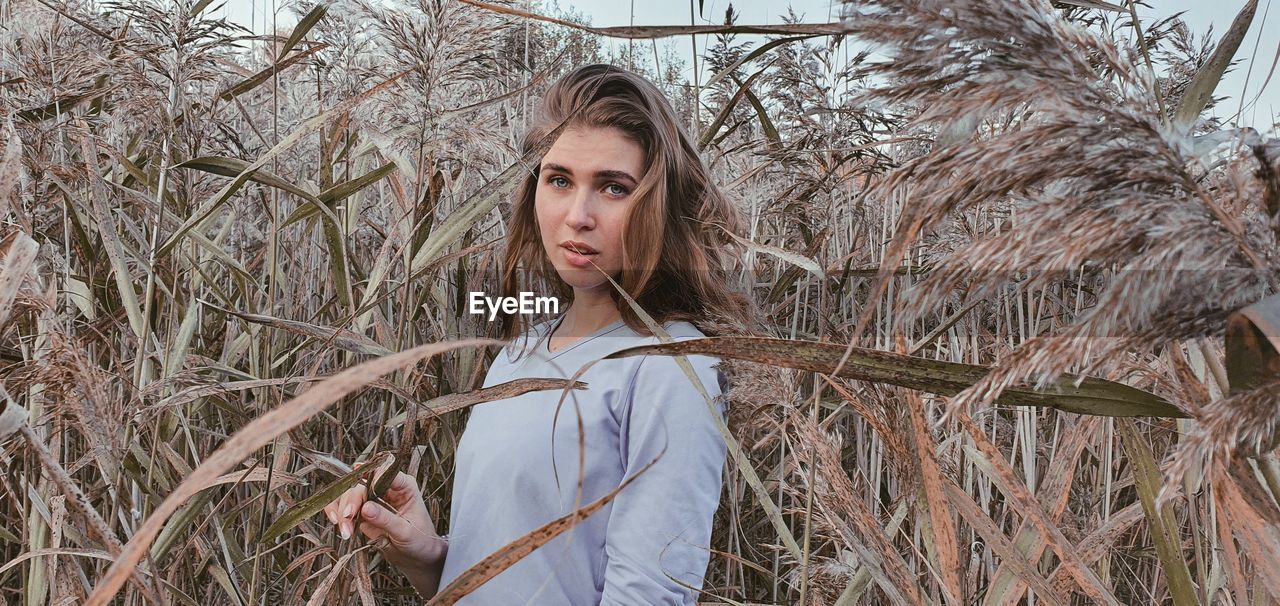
[(526, 304)]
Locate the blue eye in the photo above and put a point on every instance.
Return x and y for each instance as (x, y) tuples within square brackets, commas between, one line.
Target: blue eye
[(617, 190), (556, 180)]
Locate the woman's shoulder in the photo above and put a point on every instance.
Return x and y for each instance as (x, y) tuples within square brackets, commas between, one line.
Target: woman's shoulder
[(679, 330), (683, 329)]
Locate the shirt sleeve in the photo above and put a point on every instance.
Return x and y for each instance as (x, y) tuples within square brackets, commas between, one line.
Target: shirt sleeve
[(660, 525)]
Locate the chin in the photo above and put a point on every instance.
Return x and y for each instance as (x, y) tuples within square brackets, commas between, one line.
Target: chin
[(580, 281)]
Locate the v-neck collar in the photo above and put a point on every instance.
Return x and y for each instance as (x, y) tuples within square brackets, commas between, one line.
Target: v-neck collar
[(545, 348)]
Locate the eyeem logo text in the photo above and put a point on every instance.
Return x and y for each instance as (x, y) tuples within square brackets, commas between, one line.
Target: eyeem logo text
[(526, 303)]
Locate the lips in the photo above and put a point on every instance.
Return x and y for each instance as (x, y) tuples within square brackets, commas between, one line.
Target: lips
[(579, 260), (581, 247)]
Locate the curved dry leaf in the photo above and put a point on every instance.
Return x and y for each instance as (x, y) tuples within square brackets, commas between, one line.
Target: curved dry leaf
[(316, 502), (341, 338), (1092, 396), (303, 27), (1200, 91), (1253, 345), (257, 474), (1160, 518), (67, 551), (510, 389), (322, 591), (502, 559), (232, 167)]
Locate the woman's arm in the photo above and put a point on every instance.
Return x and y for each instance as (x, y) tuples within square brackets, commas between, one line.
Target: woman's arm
[(660, 525)]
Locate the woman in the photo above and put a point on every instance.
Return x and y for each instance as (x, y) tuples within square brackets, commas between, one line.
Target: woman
[(620, 192)]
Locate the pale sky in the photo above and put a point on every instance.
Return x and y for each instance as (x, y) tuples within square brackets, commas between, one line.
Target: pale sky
[(1264, 35)]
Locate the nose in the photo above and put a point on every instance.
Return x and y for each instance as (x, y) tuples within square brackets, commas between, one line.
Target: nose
[(581, 213)]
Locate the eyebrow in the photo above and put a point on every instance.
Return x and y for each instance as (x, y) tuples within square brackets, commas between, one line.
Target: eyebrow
[(600, 174)]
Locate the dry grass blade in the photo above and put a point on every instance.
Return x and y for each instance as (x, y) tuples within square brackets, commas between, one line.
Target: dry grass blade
[(747, 58), (255, 435), (709, 133), (59, 104), (314, 503), (766, 123), (111, 242), (256, 474), (466, 216), (1206, 81), (1092, 396), (1007, 587), (1009, 555), (321, 593), (341, 338), (500, 560), (232, 167), (989, 458), (941, 524), (82, 553), (794, 258), (303, 27), (339, 192), (346, 189), (1254, 520), (1164, 529), (265, 74), (203, 391), (1093, 4), (510, 389)]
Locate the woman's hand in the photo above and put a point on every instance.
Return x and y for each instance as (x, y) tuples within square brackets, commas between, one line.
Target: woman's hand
[(413, 545)]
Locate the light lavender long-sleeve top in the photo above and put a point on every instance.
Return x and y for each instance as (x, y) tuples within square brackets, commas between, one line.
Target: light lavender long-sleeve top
[(647, 543)]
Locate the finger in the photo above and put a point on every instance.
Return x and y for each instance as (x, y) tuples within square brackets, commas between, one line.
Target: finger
[(379, 521), (350, 501), (335, 506), (403, 490), (348, 508), (404, 481)]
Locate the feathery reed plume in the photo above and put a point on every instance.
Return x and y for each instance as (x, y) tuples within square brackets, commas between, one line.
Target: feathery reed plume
[(1093, 176)]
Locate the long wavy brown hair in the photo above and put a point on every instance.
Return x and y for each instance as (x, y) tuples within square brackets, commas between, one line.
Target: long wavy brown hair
[(676, 253)]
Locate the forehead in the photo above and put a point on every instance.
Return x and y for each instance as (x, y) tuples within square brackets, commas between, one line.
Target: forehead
[(592, 148)]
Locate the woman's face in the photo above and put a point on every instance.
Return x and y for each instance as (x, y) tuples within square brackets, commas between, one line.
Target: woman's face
[(585, 187)]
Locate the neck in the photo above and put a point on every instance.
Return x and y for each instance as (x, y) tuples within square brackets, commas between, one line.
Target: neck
[(591, 310)]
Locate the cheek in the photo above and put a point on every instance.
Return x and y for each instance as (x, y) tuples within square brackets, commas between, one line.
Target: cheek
[(618, 224)]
